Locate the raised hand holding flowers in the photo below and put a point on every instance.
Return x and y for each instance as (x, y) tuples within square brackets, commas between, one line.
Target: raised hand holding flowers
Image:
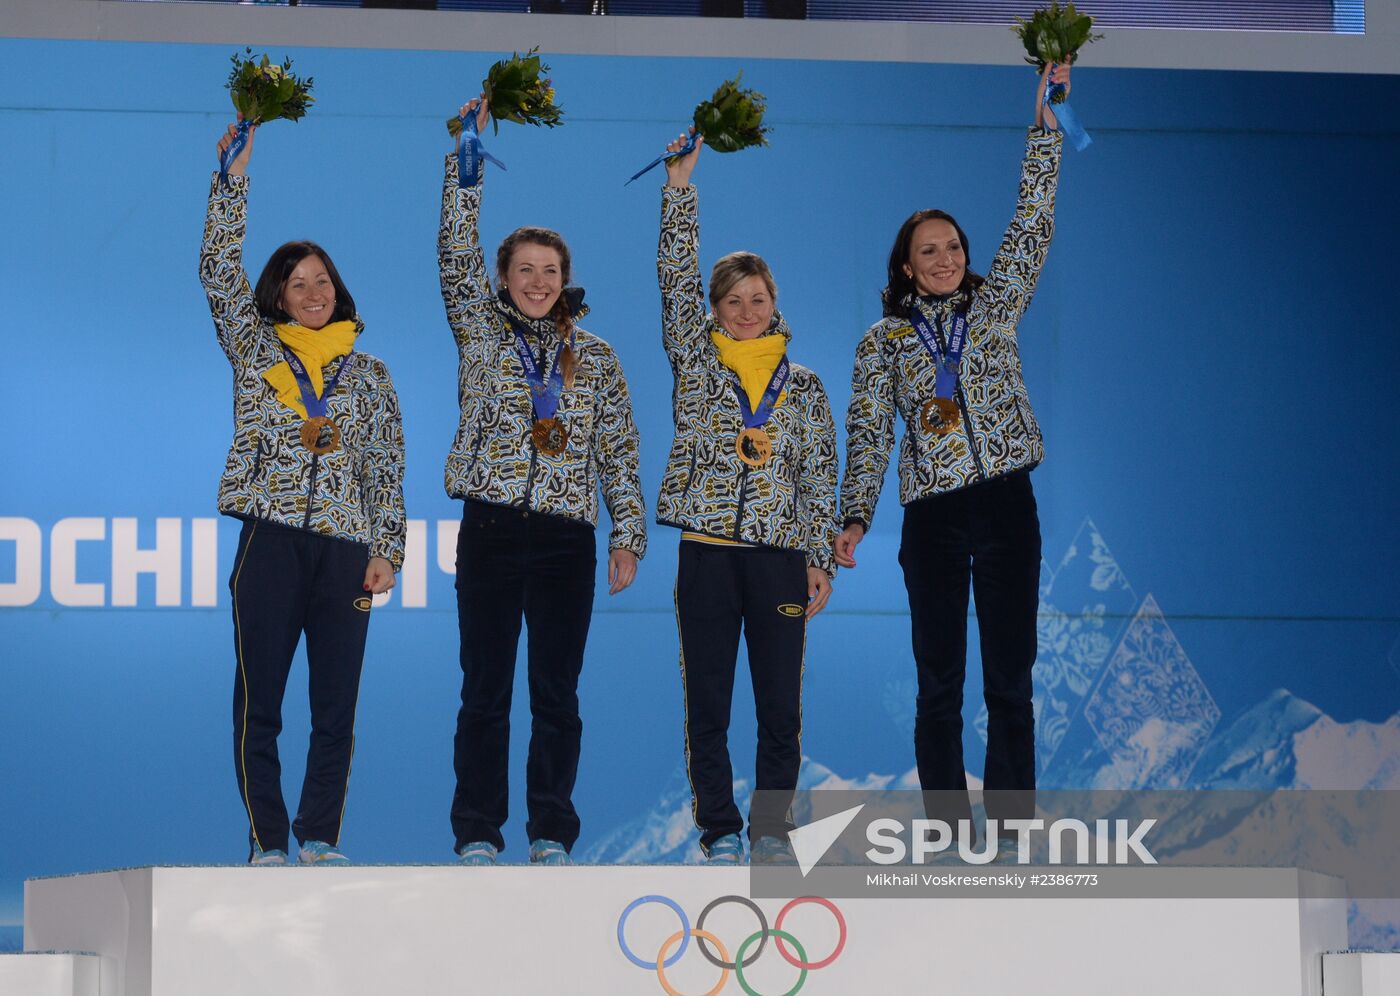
[(1052, 38), (731, 120), (262, 91), (515, 89)]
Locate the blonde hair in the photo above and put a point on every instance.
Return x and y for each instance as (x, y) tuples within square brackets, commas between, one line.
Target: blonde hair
[(730, 270)]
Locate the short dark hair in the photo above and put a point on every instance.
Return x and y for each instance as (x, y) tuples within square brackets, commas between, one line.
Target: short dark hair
[(901, 285), (268, 293)]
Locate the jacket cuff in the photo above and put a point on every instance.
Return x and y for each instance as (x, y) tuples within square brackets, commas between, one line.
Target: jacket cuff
[(632, 543), (823, 560), (390, 551)]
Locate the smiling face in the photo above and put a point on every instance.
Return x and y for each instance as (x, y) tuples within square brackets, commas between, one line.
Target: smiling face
[(535, 278), (746, 309), (937, 258), (308, 296)]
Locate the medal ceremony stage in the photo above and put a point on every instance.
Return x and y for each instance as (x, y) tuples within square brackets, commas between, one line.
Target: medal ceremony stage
[(1208, 356), (440, 930)]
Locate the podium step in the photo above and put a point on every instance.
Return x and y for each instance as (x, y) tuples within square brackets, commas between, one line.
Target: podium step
[(50, 973), (446, 930), (1361, 973)]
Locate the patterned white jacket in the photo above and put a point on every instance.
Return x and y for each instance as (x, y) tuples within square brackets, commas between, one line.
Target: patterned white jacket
[(354, 492), (998, 433), (493, 457)]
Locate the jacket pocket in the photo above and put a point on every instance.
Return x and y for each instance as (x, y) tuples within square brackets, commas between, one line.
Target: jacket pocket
[(690, 471)]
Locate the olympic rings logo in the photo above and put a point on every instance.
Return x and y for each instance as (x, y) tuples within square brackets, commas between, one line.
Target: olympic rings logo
[(665, 959)]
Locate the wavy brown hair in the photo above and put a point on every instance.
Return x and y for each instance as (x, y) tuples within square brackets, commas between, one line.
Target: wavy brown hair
[(901, 285), (561, 313)]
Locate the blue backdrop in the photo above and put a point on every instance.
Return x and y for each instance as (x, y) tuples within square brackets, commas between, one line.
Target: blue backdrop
[(1211, 353)]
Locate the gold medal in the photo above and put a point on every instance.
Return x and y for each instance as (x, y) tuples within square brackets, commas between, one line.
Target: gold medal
[(940, 416), (320, 435), (754, 447), (550, 436)]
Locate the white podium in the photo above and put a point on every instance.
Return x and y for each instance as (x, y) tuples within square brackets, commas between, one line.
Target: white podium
[(446, 931), (50, 973)]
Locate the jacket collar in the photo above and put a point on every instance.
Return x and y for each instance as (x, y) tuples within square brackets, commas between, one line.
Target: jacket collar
[(940, 304), (505, 307)]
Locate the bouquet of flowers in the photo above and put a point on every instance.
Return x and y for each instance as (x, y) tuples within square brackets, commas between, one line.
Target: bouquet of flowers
[(729, 121), (733, 118), (517, 90), (264, 91), (1055, 34)]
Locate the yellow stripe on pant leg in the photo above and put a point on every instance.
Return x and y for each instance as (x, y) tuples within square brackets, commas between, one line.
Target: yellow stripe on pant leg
[(345, 794), (243, 672), (685, 697)]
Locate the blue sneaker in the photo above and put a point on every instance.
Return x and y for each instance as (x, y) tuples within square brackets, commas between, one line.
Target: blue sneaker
[(276, 856), (772, 851), (548, 852), (477, 852), (728, 850), (318, 852)]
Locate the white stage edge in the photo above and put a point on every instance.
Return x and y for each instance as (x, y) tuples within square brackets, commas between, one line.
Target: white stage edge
[(430, 930), (50, 974), (1361, 973)]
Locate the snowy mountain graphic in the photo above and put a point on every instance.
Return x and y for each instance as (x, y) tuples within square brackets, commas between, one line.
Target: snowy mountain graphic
[(1120, 705), (666, 834), (1114, 688)]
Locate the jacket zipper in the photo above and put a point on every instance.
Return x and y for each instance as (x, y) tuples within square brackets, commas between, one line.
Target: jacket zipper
[(962, 403), (311, 489), (743, 497), (530, 477)]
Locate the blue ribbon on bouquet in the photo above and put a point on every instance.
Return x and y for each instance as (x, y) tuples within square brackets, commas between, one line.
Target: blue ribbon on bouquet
[(685, 149), (240, 139), (1064, 114), (470, 153)]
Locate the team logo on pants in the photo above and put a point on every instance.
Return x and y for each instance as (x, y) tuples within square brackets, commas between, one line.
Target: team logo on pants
[(789, 609), (363, 604)]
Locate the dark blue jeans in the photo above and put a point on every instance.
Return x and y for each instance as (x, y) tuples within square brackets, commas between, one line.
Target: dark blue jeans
[(514, 565), (986, 536)]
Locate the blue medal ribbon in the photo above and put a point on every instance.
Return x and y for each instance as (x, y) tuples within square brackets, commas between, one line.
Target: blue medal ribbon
[(685, 149), (240, 139), (470, 152), (1064, 114), (756, 417), (315, 407), (946, 362), (544, 395)]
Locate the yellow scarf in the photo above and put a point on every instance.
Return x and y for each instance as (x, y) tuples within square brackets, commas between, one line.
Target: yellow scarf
[(315, 348), (754, 360)]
